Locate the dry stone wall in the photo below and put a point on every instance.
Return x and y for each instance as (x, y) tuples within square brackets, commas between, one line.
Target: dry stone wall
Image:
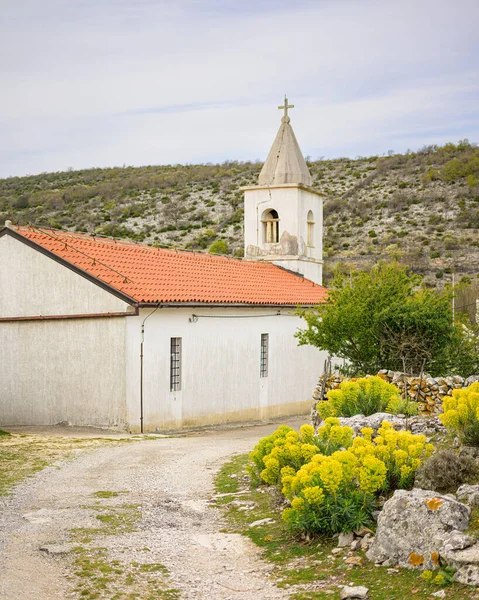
[(427, 391)]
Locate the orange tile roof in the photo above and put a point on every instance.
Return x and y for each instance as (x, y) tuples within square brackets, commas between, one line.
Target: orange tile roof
[(152, 275)]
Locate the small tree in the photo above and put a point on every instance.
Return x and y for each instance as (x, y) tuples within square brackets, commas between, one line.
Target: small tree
[(173, 211), (382, 319)]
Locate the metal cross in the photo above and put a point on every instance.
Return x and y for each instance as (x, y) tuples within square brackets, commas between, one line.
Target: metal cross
[(286, 106)]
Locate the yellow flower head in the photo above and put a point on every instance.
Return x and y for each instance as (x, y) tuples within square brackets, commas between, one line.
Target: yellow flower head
[(307, 433), (314, 495), (308, 451), (297, 504), (367, 433), (331, 473), (372, 474)]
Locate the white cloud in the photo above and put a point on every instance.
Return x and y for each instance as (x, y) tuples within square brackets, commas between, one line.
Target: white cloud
[(85, 83)]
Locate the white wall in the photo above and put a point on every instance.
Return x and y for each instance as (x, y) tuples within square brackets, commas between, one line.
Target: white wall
[(292, 203), (32, 284), (53, 371), (56, 371), (220, 367)]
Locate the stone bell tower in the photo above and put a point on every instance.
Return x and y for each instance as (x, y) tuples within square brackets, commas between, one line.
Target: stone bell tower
[(283, 213)]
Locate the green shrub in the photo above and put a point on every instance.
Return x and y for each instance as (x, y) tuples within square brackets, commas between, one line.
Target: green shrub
[(364, 396), (402, 406), (219, 247), (445, 471), (461, 414)]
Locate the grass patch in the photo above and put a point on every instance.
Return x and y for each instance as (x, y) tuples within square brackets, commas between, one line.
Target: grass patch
[(99, 575), (114, 520), (3, 433), (22, 455), (107, 494), (308, 569)]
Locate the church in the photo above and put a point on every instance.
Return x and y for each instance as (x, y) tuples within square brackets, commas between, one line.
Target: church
[(114, 334)]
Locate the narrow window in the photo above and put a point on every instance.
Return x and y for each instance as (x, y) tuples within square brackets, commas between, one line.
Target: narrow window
[(263, 367), (175, 364), (310, 221), (270, 227)]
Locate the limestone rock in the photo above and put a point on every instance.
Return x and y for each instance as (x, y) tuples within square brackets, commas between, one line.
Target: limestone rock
[(345, 539), (466, 561), (456, 540), (355, 545), (374, 421), (354, 592), (470, 380), (468, 494), (412, 528), (465, 556), (367, 540), (439, 594), (261, 522), (468, 574)]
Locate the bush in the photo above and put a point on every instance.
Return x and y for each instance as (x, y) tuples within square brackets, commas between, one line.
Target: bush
[(461, 414), (332, 480), (445, 471), (382, 320), (218, 247), (364, 396), (286, 448)]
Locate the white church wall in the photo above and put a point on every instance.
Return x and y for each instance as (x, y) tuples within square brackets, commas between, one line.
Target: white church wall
[(33, 284), (63, 371), (220, 380), (292, 204)]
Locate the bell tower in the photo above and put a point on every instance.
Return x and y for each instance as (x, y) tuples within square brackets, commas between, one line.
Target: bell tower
[(283, 213)]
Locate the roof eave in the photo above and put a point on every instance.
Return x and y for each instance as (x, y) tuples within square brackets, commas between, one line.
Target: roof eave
[(224, 305)]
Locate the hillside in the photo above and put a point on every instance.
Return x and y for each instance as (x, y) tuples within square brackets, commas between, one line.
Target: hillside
[(422, 207)]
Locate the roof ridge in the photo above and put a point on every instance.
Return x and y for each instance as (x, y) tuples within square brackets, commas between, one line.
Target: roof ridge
[(109, 240)]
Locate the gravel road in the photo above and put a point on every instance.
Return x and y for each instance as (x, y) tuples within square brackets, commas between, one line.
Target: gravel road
[(172, 480)]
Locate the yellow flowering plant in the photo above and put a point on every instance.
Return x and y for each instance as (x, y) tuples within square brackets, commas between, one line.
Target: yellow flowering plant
[(442, 577), (283, 448), (366, 396), (332, 479), (461, 414)]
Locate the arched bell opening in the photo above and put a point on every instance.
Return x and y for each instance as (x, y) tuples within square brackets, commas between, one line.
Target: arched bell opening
[(270, 220), (310, 229)]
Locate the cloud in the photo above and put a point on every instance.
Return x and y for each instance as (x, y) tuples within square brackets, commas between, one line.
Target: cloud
[(97, 83)]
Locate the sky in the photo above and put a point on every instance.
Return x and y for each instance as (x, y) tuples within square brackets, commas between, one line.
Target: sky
[(98, 83)]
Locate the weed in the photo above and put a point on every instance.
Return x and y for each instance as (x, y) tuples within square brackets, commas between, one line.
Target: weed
[(106, 494)]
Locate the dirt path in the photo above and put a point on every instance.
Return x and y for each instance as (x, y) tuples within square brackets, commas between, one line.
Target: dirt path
[(172, 481)]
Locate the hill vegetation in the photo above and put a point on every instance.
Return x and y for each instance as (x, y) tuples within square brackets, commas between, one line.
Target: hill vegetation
[(420, 207)]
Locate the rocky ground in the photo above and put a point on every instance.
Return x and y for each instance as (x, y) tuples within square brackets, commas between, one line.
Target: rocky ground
[(131, 520)]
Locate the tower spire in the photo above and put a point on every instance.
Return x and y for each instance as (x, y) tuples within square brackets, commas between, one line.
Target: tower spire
[(285, 163)]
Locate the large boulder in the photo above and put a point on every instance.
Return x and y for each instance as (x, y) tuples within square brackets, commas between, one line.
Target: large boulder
[(414, 526)]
